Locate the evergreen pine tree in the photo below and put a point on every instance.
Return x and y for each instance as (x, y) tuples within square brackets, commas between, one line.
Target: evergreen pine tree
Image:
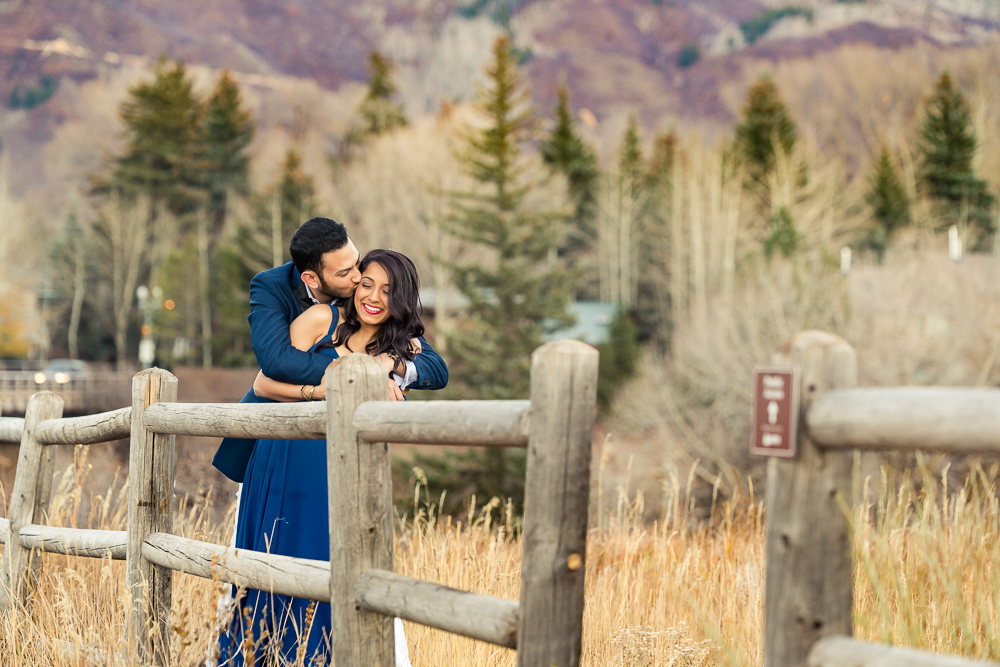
[(620, 232), (513, 300), (380, 112), (619, 357), (565, 151), (890, 204), (262, 243), (522, 291), (165, 140), (947, 147), (229, 129), (653, 319), (765, 126)]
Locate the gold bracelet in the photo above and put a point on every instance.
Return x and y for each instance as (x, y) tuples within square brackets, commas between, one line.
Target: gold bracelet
[(302, 392), (312, 390)]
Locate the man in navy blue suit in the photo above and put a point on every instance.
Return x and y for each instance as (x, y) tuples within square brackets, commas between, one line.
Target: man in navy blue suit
[(324, 269)]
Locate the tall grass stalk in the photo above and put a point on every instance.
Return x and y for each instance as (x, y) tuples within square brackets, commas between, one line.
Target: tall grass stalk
[(675, 592)]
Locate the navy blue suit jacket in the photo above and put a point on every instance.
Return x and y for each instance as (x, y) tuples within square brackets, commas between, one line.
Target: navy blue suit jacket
[(277, 297)]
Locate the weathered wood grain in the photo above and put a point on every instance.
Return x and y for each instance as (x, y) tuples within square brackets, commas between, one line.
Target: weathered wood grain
[(497, 423), (30, 499), (280, 421), (360, 487), (808, 569), (847, 652), (481, 617), (74, 541), (150, 492), (556, 499), (88, 430), (298, 577), (11, 429), (944, 419)]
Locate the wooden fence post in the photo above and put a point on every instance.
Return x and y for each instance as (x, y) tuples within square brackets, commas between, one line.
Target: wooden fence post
[(150, 492), (808, 570), (32, 486), (359, 475), (556, 499)]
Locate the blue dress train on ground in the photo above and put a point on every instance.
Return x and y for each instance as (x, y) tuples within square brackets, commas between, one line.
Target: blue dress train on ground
[(283, 510)]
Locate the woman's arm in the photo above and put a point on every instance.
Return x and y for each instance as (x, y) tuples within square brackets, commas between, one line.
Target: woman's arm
[(305, 331), (265, 387)]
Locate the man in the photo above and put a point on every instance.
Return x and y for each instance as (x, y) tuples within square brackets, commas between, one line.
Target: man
[(324, 269)]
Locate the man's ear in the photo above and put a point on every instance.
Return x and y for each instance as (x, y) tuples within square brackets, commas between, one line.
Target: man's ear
[(310, 278)]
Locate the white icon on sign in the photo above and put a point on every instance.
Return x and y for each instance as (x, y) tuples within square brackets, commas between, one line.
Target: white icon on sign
[(770, 440), (772, 413)]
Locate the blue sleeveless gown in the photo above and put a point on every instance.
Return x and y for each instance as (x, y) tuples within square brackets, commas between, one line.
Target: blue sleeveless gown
[(284, 509)]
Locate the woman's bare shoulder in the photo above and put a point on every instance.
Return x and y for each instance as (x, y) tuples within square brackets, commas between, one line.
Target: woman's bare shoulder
[(310, 326), (316, 314)]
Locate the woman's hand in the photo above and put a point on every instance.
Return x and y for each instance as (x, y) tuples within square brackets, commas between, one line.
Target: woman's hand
[(394, 393), (387, 361), (319, 393)]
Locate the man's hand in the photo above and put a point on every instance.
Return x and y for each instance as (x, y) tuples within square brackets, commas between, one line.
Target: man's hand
[(394, 392)]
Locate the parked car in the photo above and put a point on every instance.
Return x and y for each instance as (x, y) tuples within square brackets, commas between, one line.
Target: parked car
[(62, 371)]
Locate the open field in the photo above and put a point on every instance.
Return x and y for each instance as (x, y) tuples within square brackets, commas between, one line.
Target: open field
[(672, 593)]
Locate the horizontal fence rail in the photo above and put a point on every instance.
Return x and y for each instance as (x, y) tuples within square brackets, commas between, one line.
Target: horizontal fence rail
[(499, 423), (943, 419), (481, 617), (88, 430), (11, 429), (280, 421), (70, 541), (298, 577), (847, 652)]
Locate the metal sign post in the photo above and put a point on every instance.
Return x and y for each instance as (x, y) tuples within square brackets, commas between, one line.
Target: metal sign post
[(775, 411)]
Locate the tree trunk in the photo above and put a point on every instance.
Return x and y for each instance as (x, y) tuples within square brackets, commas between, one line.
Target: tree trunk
[(276, 249), (678, 268), (203, 296), (79, 282)]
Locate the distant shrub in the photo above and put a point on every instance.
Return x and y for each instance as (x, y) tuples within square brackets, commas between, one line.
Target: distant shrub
[(782, 235), (32, 96), (688, 56), (759, 25)]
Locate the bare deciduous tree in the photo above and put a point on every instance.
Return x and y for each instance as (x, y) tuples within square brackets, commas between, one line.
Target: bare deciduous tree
[(122, 235)]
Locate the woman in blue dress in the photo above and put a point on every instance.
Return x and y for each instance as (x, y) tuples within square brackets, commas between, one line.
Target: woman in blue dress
[(284, 506)]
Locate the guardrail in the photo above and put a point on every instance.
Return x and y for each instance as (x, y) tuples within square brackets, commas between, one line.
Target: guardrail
[(556, 425), (809, 587), (97, 390)]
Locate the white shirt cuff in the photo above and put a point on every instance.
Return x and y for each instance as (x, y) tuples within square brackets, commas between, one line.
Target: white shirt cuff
[(410, 378)]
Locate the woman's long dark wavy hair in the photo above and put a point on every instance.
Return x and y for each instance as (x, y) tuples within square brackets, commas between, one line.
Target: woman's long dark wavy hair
[(403, 323)]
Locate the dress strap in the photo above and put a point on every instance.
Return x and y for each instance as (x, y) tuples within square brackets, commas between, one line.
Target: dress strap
[(334, 320)]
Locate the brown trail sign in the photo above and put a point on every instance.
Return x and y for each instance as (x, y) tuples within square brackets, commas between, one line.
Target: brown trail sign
[(775, 411)]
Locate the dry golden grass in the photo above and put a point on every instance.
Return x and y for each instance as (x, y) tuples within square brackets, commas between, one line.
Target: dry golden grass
[(672, 593)]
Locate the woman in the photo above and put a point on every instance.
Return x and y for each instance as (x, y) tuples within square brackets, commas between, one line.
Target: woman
[(284, 506)]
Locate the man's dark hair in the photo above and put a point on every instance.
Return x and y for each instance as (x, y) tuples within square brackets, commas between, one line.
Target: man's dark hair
[(315, 238)]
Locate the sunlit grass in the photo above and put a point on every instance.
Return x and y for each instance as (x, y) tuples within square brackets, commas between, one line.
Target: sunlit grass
[(675, 592)]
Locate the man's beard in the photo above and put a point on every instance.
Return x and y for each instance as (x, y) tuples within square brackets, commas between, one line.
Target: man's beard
[(326, 289)]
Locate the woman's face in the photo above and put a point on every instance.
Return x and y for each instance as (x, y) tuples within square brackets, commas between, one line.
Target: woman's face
[(371, 299)]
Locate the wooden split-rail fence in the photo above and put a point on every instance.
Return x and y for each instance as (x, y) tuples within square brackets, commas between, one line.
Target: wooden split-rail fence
[(808, 594), (556, 425)]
